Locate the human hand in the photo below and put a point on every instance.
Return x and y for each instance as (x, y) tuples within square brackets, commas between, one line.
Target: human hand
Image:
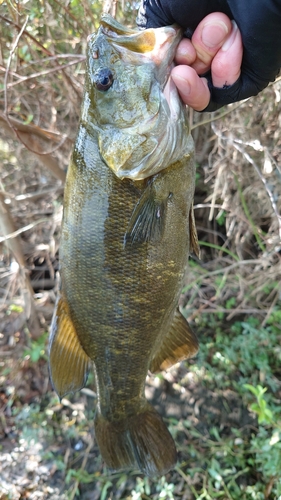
[(259, 24), (216, 45)]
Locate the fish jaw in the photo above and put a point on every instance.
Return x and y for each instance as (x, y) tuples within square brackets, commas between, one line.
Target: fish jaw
[(135, 112), (157, 46)]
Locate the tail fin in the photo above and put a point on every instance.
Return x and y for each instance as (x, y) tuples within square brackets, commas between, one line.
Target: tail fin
[(141, 441)]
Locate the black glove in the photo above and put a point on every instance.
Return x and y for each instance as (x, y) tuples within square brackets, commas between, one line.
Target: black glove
[(259, 22)]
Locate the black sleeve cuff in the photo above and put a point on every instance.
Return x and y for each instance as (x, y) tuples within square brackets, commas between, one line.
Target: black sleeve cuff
[(243, 88)]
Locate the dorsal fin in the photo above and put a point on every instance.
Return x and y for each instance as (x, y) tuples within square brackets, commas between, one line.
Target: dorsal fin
[(194, 245)]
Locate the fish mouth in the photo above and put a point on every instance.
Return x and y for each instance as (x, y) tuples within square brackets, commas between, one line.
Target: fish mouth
[(156, 45)]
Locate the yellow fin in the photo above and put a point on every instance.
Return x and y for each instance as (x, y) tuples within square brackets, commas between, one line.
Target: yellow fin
[(139, 441), (194, 245), (68, 363), (180, 343)]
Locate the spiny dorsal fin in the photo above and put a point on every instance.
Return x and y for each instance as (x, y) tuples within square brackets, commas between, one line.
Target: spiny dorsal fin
[(69, 364), (194, 245), (179, 343), (148, 219)]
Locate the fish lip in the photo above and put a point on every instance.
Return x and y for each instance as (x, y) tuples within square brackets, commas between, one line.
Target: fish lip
[(155, 46), (109, 25), (122, 36)]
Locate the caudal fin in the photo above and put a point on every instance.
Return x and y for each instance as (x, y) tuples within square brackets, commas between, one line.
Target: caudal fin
[(141, 441)]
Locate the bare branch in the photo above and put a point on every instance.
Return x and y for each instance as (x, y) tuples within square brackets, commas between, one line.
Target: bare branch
[(8, 68), (22, 79), (16, 233), (30, 128)]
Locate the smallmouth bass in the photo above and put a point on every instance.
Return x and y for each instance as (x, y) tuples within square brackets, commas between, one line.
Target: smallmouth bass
[(127, 231)]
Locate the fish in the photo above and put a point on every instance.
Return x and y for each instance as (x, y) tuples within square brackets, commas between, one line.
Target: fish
[(127, 231)]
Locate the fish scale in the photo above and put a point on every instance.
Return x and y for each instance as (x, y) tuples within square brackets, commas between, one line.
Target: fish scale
[(124, 249)]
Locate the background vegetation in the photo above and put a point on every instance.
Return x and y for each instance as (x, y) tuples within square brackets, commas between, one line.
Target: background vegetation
[(223, 408)]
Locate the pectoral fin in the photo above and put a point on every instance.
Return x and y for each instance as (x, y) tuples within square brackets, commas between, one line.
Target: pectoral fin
[(69, 364), (148, 218), (180, 343), (116, 147), (194, 245)]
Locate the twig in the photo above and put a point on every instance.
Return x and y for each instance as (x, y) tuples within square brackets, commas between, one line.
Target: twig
[(222, 270), (30, 128), (26, 33), (221, 249), (14, 234), (44, 153), (217, 117), (43, 73), (210, 205), (48, 160), (233, 312), (214, 195), (253, 163), (275, 300), (8, 69), (110, 7), (7, 227), (38, 194), (238, 144), (83, 465), (213, 232), (81, 26), (247, 212), (46, 51), (47, 59)]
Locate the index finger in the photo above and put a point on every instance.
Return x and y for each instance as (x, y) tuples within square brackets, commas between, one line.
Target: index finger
[(208, 38)]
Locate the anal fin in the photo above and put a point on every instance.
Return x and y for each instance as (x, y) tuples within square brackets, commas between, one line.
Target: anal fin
[(179, 343), (68, 362)]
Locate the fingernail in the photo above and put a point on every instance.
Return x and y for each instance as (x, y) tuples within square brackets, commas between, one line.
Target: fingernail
[(227, 44), (214, 33), (182, 85)]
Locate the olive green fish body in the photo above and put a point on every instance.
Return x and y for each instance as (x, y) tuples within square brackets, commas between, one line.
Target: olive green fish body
[(125, 241)]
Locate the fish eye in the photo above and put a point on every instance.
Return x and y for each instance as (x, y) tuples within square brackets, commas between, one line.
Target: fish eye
[(103, 79)]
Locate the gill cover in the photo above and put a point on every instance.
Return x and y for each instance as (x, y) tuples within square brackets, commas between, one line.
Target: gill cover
[(135, 110)]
